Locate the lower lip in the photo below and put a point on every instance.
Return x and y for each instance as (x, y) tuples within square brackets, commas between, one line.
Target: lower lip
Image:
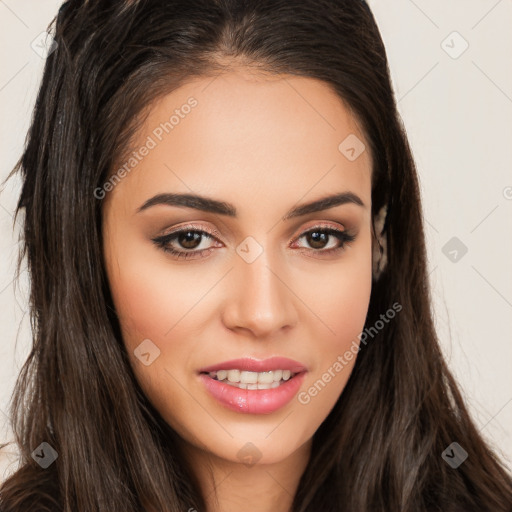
[(253, 401)]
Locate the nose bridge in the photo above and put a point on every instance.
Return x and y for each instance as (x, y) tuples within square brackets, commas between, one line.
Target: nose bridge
[(261, 301)]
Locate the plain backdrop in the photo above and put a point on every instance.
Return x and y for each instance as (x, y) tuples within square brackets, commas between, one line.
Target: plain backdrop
[(451, 70)]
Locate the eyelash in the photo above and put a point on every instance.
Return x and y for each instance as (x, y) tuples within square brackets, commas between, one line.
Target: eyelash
[(163, 241)]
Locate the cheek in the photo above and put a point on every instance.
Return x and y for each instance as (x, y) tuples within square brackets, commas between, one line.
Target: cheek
[(155, 301), (150, 299), (346, 303), (339, 296), (154, 304)]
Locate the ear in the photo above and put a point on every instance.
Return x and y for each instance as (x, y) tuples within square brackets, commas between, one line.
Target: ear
[(379, 244)]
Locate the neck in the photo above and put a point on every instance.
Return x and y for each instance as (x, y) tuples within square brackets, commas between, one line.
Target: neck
[(231, 486)]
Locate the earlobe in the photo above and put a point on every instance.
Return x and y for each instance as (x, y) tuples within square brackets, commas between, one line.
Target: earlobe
[(379, 244)]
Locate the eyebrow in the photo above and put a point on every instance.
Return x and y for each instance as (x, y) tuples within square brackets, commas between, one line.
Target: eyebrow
[(207, 204)]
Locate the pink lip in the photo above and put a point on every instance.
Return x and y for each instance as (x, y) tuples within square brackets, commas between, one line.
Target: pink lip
[(255, 365), (253, 401)]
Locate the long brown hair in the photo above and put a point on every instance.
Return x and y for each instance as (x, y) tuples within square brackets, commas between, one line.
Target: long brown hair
[(380, 447)]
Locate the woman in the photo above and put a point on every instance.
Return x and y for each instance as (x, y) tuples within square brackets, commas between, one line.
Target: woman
[(229, 291)]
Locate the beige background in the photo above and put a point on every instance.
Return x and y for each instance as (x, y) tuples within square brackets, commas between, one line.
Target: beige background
[(457, 109)]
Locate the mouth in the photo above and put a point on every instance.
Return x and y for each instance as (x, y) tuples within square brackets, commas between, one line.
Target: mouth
[(254, 386)]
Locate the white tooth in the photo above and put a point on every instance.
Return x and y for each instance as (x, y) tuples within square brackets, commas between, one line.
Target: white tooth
[(252, 379), (278, 375), (265, 377), (243, 385), (248, 377), (234, 375)]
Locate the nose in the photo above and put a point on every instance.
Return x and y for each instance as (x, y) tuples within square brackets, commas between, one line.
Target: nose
[(260, 298)]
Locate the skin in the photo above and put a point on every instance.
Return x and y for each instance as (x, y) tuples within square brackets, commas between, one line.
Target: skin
[(265, 144)]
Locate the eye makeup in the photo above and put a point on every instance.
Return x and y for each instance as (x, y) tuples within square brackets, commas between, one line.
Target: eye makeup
[(195, 236)]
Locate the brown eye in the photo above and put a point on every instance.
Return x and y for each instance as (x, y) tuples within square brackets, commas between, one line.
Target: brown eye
[(318, 238), (189, 239), (185, 243)]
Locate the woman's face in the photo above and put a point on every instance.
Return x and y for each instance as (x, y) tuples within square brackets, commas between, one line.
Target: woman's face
[(262, 280)]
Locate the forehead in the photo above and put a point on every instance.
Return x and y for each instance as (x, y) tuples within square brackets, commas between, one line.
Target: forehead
[(279, 137)]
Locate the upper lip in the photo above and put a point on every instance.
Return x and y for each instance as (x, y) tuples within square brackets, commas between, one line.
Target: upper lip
[(257, 365)]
